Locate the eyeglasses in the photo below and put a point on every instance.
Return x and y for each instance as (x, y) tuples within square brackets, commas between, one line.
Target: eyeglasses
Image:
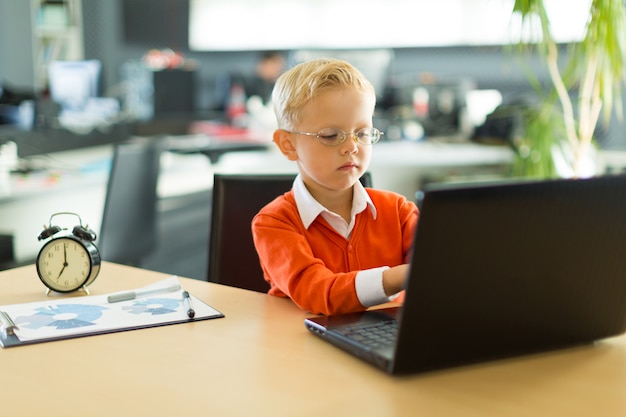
[(333, 137)]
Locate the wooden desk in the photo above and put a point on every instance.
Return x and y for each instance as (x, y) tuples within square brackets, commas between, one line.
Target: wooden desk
[(260, 361)]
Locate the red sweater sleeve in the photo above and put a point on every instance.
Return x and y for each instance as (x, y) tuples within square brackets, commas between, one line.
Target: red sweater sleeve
[(317, 267)]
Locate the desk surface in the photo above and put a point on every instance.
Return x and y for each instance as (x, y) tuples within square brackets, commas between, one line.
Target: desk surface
[(260, 360)]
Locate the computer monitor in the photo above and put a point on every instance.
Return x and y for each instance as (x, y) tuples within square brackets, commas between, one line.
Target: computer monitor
[(72, 83)]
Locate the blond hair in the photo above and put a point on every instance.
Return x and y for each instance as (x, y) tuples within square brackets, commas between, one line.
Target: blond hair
[(302, 83)]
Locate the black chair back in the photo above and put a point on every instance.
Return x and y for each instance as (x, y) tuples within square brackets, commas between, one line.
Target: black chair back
[(128, 230), (236, 200)]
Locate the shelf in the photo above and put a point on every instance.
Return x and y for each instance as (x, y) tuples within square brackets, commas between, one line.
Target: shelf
[(57, 35)]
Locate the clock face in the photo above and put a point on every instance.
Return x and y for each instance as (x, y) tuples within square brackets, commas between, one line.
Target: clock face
[(65, 264)]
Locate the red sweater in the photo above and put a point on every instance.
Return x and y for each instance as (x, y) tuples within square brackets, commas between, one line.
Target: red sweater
[(317, 267)]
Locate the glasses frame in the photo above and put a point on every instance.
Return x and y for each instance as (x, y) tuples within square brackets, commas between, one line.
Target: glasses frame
[(343, 135)]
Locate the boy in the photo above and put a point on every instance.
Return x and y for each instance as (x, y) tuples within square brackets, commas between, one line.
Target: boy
[(329, 244)]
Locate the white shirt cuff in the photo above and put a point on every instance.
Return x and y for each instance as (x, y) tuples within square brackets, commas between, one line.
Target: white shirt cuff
[(369, 287)]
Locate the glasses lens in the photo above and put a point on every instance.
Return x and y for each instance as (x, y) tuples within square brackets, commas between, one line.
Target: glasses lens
[(330, 136), (368, 136)]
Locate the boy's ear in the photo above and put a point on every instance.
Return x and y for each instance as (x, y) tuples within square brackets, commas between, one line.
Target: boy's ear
[(284, 141)]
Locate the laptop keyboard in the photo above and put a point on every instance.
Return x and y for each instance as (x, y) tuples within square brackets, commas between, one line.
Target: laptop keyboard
[(373, 335)]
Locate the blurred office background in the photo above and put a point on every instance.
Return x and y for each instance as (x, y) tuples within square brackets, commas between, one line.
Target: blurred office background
[(446, 54), (119, 32)]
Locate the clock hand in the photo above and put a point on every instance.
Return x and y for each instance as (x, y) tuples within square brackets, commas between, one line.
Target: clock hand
[(64, 261)]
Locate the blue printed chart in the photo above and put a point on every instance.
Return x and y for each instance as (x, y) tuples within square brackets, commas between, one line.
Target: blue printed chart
[(82, 316)]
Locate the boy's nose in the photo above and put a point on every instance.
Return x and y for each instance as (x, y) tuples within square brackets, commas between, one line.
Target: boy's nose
[(350, 145)]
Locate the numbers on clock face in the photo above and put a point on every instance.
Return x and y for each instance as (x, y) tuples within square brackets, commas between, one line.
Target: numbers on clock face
[(64, 264)]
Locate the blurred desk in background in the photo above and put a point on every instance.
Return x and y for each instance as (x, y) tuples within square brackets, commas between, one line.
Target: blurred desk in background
[(211, 147), (72, 181), (76, 180), (210, 138), (47, 140), (400, 166)]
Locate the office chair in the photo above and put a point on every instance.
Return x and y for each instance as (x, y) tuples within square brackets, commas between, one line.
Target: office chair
[(236, 200), (128, 230)]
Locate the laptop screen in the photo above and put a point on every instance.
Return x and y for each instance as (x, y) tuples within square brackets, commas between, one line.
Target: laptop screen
[(506, 269)]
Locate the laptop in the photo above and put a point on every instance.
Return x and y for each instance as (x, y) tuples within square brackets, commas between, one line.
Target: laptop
[(501, 270)]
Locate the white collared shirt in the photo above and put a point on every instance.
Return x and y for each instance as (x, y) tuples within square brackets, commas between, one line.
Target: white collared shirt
[(369, 282)]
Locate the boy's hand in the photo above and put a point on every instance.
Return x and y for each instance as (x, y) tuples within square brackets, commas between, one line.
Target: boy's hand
[(394, 279)]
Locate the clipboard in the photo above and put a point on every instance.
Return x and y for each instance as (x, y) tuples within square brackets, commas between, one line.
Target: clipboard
[(67, 318)]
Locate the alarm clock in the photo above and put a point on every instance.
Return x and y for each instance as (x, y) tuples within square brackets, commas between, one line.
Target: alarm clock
[(68, 261)]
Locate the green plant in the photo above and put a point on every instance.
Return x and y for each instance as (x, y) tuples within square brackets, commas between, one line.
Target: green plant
[(533, 145), (586, 83)]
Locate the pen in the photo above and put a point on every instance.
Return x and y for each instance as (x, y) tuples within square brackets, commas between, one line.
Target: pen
[(8, 325), (187, 300), (131, 295)]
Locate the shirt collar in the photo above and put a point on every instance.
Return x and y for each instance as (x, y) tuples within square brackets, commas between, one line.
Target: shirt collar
[(309, 208)]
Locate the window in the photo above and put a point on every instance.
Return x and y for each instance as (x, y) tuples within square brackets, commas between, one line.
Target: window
[(294, 24)]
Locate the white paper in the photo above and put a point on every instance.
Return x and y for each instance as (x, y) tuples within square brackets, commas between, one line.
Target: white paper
[(60, 318)]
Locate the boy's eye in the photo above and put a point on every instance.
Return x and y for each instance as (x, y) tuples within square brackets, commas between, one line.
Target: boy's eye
[(332, 137), (328, 134)]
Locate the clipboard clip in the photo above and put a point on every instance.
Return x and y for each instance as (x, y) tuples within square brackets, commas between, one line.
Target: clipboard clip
[(8, 326)]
